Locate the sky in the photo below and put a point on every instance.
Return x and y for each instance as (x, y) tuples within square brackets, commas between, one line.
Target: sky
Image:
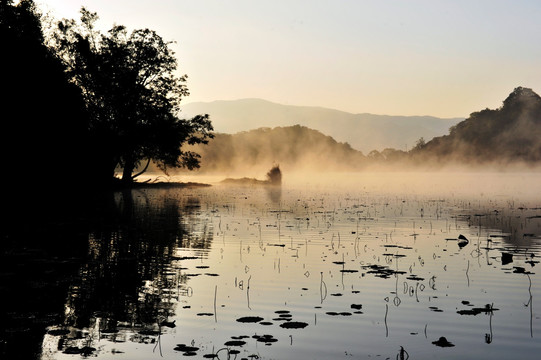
[(445, 58)]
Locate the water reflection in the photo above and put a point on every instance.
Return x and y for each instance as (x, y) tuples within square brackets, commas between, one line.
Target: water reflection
[(127, 287), (224, 271), (122, 285), (274, 193)]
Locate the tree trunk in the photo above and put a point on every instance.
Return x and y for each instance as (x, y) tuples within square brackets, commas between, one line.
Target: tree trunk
[(129, 166)]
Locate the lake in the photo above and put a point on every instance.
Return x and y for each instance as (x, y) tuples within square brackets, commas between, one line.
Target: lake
[(341, 266)]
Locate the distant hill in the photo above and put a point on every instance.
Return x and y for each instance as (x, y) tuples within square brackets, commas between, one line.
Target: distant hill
[(364, 132), (294, 148), (505, 136)]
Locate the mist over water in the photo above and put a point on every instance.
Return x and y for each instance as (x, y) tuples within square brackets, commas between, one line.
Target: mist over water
[(328, 265), (521, 185), (325, 266)]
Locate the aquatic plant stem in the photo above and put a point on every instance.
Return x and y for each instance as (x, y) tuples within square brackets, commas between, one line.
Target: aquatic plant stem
[(385, 319), (215, 292), (467, 276), (248, 292), (321, 286)]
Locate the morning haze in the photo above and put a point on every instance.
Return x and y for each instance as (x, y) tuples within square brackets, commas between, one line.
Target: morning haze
[(364, 132), (150, 213)]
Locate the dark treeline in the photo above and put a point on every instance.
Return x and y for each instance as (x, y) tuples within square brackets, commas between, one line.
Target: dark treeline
[(500, 138), (78, 105), (44, 123)]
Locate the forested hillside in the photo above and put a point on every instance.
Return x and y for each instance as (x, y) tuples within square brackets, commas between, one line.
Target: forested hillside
[(293, 147), (508, 135)]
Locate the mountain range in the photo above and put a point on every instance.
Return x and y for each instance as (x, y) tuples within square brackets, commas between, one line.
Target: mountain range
[(506, 137), (364, 132)]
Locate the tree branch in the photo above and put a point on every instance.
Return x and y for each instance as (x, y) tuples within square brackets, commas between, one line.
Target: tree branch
[(142, 171)]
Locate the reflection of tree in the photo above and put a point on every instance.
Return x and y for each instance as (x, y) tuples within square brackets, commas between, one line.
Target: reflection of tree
[(120, 257), (274, 193), (128, 281)]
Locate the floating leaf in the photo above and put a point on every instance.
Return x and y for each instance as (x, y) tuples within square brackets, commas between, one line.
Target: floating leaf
[(294, 325), (250, 319), (235, 343), (442, 342), (185, 348)]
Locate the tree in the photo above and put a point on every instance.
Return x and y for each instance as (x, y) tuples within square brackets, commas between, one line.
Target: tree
[(132, 95), (375, 155), (274, 176), (43, 117), (393, 155), (420, 144)]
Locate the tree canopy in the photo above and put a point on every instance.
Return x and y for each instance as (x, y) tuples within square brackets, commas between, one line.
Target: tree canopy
[(79, 105), (132, 95)]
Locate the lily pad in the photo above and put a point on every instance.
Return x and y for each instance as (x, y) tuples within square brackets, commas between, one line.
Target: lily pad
[(250, 319), (294, 325), (185, 348), (267, 339), (443, 342), (235, 343)]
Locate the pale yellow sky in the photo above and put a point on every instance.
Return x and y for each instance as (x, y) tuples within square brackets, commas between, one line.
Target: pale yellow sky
[(444, 58)]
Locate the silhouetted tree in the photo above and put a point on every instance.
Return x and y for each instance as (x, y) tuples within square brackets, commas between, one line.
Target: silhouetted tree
[(274, 175), (43, 122), (131, 94)]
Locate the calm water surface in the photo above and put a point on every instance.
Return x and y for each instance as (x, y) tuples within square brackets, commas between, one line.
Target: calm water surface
[(354, 269)]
